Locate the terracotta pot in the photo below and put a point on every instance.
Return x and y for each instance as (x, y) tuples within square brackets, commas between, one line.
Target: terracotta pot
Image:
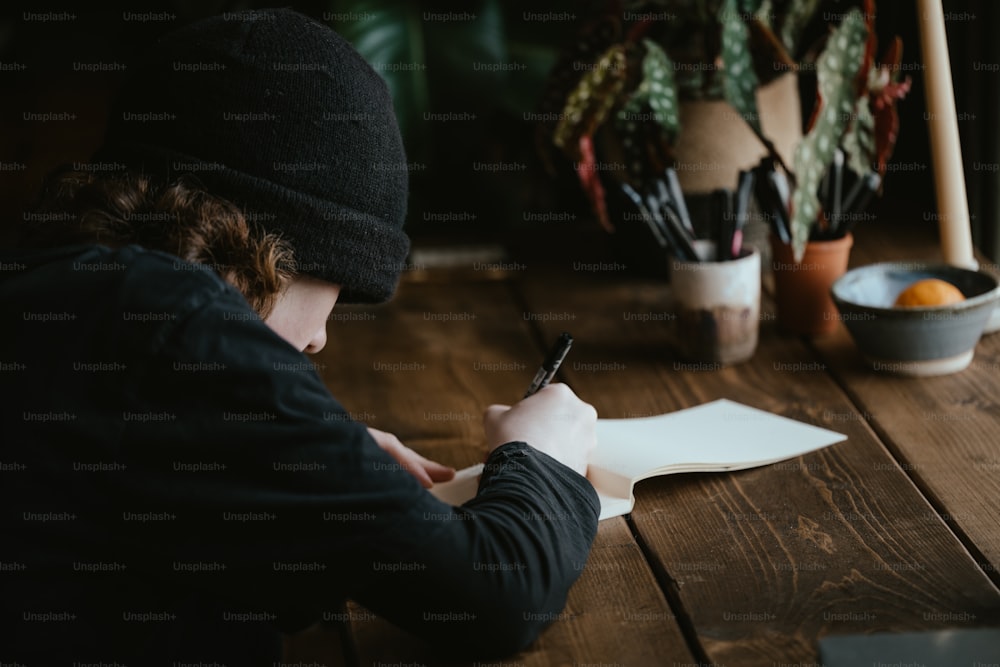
[(802, 289)]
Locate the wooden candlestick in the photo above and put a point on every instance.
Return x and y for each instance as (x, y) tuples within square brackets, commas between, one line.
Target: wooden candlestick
[(946, 151)]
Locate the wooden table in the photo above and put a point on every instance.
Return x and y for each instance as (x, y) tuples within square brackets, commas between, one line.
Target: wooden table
[(895, 529)]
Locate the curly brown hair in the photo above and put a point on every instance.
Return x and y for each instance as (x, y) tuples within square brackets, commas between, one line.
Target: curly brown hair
[(179, 218)]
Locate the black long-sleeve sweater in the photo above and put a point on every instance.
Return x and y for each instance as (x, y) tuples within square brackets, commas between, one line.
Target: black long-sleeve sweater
[(178, 485)]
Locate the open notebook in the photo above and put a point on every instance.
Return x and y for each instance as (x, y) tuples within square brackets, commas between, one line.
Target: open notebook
[(717, 436)]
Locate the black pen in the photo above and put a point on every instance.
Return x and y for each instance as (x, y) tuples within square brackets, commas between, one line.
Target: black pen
[(672, 207), (859, 203), (857, 199), (647, 217), (771, 200), (780, 186), (677, 197), (722, 211), (744, 190), (672, 226), (551, 364)]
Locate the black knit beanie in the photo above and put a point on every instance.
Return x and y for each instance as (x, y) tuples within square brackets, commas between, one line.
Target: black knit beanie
[(280, 115)]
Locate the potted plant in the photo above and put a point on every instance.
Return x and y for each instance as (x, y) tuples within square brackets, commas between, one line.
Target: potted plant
[(616, 101), (852, 131)]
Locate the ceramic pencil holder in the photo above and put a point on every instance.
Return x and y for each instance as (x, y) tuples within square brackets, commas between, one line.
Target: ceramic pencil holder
[(717, 306)]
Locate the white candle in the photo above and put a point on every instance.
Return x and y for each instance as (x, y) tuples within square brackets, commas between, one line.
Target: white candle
[(946, 151)]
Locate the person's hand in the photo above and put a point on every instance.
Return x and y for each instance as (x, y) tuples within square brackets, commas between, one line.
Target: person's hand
[(553, 420), (426, 471)]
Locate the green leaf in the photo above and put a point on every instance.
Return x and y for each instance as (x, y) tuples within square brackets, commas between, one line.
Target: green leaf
[(429, 65), (739, 79), (859, 142), (657, 91), (629, 126), (796, 20), (591, 100), (766, 14), (661, 88), (655, 97), (837, 69)]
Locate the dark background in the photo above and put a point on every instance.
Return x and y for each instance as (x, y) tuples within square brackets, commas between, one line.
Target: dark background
[(449, 199)]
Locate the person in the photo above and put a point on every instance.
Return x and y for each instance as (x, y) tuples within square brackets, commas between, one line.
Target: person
[(179, 484)]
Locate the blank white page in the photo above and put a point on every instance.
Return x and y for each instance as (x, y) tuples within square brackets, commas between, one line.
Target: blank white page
[(721, 435), (717, 436)]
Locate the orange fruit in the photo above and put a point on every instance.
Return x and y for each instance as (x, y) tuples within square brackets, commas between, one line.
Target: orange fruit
[(929, 292)]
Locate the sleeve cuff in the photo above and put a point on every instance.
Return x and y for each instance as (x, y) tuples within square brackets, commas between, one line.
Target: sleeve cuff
[(518, 458)]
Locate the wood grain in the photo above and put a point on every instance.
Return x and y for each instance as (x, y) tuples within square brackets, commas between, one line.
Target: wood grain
[(945, 431), (764, 562), (468, 345), (427, 365), (615, 615)]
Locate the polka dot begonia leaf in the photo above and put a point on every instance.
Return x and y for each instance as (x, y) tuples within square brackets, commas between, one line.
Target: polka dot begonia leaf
[(859, 142), (837, 69), (655, 98), (590, 102), (739, 79)]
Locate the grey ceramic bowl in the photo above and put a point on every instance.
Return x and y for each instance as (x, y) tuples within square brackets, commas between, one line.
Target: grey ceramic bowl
[(925, 340)]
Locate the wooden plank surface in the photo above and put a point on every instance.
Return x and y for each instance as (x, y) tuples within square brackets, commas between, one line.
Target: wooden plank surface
[(761, 563), (425, 367), (945, 430), (615, 614)]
